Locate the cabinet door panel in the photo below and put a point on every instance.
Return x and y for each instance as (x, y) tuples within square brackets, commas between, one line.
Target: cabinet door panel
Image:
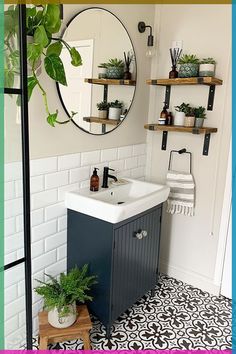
[(135, 261)]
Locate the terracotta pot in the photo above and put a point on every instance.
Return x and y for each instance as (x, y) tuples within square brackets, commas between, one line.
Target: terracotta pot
[(62, 322), (102, 114), (189, 121)]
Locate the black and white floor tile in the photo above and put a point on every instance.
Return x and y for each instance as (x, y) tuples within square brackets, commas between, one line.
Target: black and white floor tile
[(178, 316)]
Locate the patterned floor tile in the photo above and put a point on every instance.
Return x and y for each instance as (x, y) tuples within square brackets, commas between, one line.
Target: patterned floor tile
[(178, 316)]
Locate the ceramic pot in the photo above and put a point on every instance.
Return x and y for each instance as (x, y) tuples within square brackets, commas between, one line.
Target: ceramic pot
[(199, 122), (188, 70), (189, 121), (114, 113), (102, 114), (207, 70), (62, 322), (115, 73), (179, 118)]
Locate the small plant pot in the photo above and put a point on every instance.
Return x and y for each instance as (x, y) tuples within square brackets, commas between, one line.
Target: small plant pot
[(199, 122), (114, 113), (207, 70), (188, 70), (115, 73), (179, 118), (189, 121), (102, 114), (102, 73), (62, 322)]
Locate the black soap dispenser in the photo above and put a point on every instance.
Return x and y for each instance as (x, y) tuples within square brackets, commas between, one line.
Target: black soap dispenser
[(94, 181)]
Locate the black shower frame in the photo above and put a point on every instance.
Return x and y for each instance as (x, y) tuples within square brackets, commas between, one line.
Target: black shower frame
[(23, 92)]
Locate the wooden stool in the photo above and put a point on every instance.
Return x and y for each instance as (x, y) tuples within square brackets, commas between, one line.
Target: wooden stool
[(80, 329)]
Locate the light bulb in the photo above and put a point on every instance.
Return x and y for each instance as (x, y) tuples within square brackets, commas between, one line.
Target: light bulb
[(150, 52)]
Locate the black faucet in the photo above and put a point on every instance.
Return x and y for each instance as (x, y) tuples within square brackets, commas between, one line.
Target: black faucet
[(106, 176)]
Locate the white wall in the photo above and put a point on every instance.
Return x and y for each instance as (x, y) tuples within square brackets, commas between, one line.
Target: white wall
[(189, 245)]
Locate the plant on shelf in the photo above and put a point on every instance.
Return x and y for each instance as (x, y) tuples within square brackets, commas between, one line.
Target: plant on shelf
[(42, 23), (200, 115), (103, 107), (181, 111), (115, 110), (189, 65), (115, 69), (189, 118), (60, 296), (207, 67), (129, 57)]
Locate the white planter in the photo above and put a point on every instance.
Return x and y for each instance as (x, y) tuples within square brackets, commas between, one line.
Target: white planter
[(207, 70), (179, 118), (62, 322), (114, 113)]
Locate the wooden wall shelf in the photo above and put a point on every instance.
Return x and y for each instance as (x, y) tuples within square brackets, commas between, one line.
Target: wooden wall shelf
[(111, 82), (186, 81), (208, 81), (173, 128), (101, 120)]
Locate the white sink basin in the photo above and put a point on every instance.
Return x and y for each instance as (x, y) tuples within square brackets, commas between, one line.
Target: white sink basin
[(118, 202)]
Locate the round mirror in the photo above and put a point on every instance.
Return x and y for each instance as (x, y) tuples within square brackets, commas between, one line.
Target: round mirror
[(100, 91)]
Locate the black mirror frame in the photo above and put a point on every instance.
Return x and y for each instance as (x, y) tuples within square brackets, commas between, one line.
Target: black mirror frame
[(57, 85)]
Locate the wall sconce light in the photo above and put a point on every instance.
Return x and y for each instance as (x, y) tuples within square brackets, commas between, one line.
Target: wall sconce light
[(150, 42)]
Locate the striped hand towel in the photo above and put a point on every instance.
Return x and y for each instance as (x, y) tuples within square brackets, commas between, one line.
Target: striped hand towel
[(182, 197)]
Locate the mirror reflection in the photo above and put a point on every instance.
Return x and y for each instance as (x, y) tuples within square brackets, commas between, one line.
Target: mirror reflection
[(101, 91)]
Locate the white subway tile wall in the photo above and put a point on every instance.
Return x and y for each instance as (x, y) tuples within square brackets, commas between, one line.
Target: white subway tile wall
[(51, 178)]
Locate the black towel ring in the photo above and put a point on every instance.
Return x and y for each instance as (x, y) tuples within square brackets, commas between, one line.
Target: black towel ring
[(182, 151)]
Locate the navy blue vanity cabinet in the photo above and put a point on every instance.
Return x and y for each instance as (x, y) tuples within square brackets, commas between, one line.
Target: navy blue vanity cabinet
[(125, 256)]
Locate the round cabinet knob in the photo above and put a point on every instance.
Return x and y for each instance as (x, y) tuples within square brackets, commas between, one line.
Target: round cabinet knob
[(144, 233), (139, 235)]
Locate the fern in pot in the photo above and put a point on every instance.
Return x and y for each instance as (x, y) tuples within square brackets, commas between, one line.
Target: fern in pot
[(115, 110), (200, 115), (207, 67), (60, 296), (103, 107), (189, 65)]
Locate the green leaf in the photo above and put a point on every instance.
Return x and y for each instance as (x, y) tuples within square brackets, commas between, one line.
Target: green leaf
[(8, 78), (76, 57), (52, 20), (54, 48), (34, 51), (52, 119), (32, 82), (55, 68), (40, 36)]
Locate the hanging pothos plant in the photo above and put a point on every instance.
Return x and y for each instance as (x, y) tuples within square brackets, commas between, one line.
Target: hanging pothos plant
[(42, 23)]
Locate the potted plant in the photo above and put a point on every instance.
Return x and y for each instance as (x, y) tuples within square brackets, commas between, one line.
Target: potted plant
[(189, 118), (129, 57), (102, 71), (42, 23), (207, 67), (115, 69), (115, 110), (189, 65), (60, 296), (200, 115), (103, 107), (180, 113)]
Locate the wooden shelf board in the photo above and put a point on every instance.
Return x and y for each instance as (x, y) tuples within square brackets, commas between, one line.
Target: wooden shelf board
[(174, 128), (101, 120), (111, 82), (186, 81)]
